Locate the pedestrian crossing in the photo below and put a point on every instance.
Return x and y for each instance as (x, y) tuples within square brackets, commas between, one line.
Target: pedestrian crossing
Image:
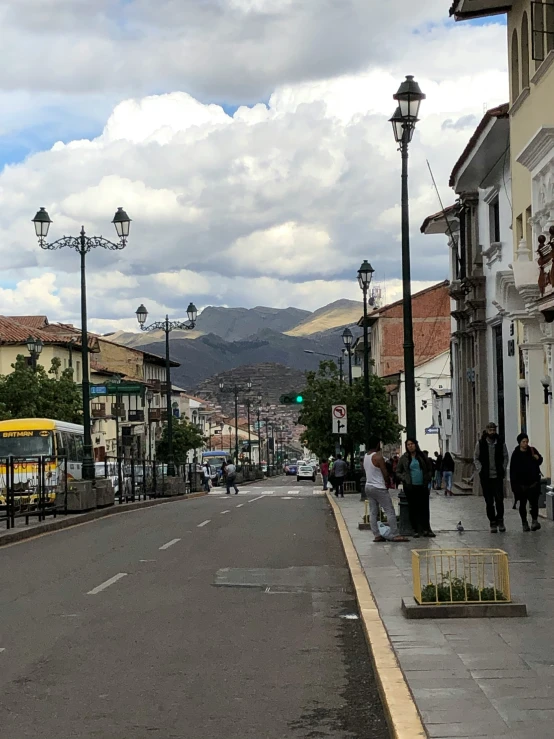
[(276, 492)]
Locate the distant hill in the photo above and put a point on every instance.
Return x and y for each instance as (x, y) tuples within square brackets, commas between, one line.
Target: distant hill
[(238, 324), (339, 313)]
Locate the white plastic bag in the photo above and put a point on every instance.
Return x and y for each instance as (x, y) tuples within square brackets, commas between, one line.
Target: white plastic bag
[(384, 530)]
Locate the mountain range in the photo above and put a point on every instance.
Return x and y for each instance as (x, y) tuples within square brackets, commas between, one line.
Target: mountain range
[(227, 338)]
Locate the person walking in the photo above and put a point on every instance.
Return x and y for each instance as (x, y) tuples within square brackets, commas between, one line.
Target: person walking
[(376, 476), (491, 462), (230, 477), (447, 470), (206, 475), (438, 471), (525, 478), (340, 468), (414, 471), (324, 469)]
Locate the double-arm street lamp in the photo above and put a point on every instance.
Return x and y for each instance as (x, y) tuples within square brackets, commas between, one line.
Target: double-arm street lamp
[(409, 98), (365, 275), (236, 389), (34, 347), (339, 357), (167, 327), (82, 245)]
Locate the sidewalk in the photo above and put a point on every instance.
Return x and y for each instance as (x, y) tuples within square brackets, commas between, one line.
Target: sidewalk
[(490, 678)]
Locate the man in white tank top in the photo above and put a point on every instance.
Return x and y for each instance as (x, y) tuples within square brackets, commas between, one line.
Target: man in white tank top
[(376, 491)]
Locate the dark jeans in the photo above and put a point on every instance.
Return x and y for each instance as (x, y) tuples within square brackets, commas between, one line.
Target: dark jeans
[(325, 480), (339, 486), (530, 494), (418, 507), (493, 492), (206, 482), (230, 482)]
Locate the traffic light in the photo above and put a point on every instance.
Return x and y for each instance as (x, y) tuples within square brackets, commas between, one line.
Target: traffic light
[(291, 399)]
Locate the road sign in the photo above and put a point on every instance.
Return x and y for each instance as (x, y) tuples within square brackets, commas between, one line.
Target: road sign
[(340, 419)]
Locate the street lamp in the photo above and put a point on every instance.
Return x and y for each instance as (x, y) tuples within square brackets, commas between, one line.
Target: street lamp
[(347, 339), (235, 390), (167, 327), (149, 399), (82, 245), (365, 275), (335, 356), (409, 98), (34, 347)]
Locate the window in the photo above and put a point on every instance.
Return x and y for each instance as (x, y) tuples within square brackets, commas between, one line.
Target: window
[(494, 221), (448, 414), (537, 31), (515, 67), (524, 52)]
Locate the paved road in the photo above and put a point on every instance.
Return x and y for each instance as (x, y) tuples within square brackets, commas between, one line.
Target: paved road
[(209, 618)]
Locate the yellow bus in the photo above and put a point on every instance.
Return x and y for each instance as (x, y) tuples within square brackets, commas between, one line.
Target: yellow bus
[(26, 439)]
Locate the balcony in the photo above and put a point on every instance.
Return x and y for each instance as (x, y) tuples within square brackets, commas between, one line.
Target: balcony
[(155, 414), (136, 416), (98, 410), (119, 410)]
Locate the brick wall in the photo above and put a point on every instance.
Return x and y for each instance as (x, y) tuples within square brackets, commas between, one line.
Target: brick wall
[(431, 322)]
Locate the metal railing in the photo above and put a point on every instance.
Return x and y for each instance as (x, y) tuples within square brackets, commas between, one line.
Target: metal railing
[(460, 576), (32, 486)]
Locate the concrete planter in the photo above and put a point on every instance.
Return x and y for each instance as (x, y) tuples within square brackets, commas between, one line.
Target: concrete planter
[(105, 495), (81, 496)]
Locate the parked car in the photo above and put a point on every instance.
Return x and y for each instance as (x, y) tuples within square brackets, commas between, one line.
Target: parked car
[(291, 468), (305, 472)]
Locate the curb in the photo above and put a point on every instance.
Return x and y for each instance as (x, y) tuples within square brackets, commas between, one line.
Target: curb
[(402, 715), (59, 524)]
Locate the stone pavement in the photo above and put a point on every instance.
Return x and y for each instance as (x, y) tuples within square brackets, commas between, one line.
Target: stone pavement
[(471, 678)]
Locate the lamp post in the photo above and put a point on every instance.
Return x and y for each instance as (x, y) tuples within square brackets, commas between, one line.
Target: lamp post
[(409, 98), (249, 435), (365, 275), (339, 357), (167, 327), (149, 398), (347, 339), (258, 428), (236, 390), (82, 245), (34, 347)]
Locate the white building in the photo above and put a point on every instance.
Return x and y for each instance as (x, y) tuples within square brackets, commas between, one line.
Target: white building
[(485, 304), (442, 418), (430, 375)]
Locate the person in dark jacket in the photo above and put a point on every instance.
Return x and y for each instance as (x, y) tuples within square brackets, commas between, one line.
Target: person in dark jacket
[(525, 478), (447, 469), (415, 473), (491, 461)]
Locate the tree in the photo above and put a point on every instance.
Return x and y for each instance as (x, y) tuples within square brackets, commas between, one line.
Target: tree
[(323, 390), (186, 436), (28, 393)]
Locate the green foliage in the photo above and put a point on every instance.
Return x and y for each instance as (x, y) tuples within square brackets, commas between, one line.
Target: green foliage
[(323, 389), (186, 436), (462, 591), (26, 393)]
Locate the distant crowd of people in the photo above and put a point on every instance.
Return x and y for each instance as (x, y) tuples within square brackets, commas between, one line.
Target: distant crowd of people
[(418, 474)]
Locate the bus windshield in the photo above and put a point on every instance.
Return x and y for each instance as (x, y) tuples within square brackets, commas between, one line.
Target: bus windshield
[(25, 443)]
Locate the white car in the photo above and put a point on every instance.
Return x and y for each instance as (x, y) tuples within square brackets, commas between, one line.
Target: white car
[(305, 472)]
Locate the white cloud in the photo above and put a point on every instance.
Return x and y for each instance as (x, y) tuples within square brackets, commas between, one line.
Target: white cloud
[(276, 204)]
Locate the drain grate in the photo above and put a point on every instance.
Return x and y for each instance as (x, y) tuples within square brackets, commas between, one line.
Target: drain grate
[(314, 579)]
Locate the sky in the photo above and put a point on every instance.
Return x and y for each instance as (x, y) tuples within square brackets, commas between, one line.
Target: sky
[(248, 140)]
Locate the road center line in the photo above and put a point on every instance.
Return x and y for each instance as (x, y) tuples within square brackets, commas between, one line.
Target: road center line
[(222, 512), (104, 585), (254, 499), (239, 505), (170, 544), (204, 523)]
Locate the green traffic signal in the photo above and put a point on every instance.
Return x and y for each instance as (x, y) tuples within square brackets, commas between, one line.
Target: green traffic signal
[(291, 399)]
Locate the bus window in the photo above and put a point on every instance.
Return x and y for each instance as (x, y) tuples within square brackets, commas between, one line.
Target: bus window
[(78, 447), (71, 447), (25, 443)]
